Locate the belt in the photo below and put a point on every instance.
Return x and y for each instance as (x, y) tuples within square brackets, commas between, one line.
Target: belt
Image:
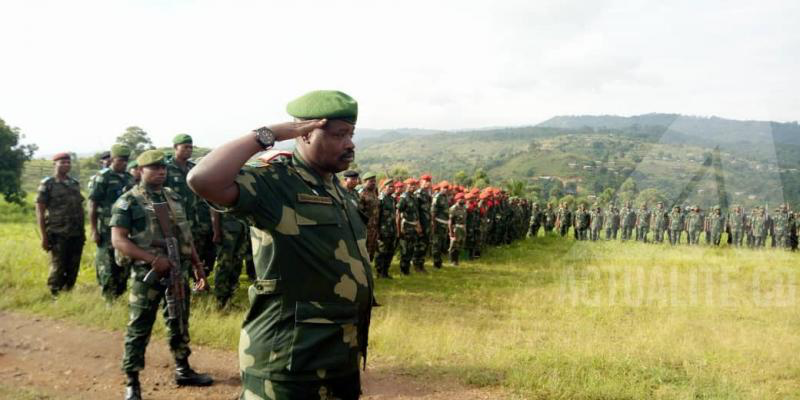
[(442, 221)]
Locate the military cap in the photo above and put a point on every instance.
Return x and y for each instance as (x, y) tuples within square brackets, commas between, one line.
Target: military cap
[(120, 150), (459, 196), (182, 139), (350, 174), (470, 196), (330, 104), (133, 164), (444, 184), (61, 156), (105, 154), (368, 176), (425, 177), (410, 181), (151, 157), (399, 184), (385, 182)]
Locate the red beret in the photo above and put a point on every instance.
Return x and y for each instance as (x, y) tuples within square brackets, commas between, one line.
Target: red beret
[(399, 184), (444, 184), (61, 156), (411, 181), (425, 177), (459, 196)]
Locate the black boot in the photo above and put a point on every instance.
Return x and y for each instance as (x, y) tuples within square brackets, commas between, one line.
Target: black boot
[(186, 376), (133, 390)]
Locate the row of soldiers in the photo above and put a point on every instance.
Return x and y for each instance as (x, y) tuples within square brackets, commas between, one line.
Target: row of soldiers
[(417, 218), (219, 239), (751, 229)]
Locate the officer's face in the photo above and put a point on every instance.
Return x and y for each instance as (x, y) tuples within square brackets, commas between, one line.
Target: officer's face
[(63, 166), (118, 164), (389, 189), (351, 183), (426, 184), (331, 147), (369, 184), (154, 175), (184, 151), (105, 162), (137, 174)]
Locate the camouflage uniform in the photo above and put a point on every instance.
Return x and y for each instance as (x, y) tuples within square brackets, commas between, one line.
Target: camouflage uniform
[(408, 211), (611, 223), (759, 228), (107, 188), (310, 308), (423, 244), (134, 212), (458, 219), (695, 226), (716, 224), (232, 251), (596, 224), (563, 219), (473, 224), (369, 205), (582, 220), (736, 222), (549, 218), (660, 219), (780, 224), (440, 238), (537, 216), (196, 210), (628, 216), (676, 225), (643, 224), (64, 226), (387, 237)]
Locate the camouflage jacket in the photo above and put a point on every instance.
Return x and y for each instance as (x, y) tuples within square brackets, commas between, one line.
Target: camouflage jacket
[(386, 216), (368, 204), (596, 219), (660, 218), (107, 188), (458, 216), (310, 308), (676, 221), (63, 203), (628, 216), (716, 223), (736, 221), (176, 180), (549, 217), (424, 205), (408, 211), (537, 217), (440, 209), (696, 221), (643, 217), (134, 212), (582, 219)]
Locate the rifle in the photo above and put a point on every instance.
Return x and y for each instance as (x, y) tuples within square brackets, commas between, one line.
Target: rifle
[(175, 293)]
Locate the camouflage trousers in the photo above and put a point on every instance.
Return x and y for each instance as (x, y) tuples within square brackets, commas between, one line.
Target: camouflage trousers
[(113, 279), (231, 252), (626, 232), (533, 231), (582, 233), (65, 261), (641, 234), (372, 240), (344, 388), (143, 303), (406, 247), (694, 236), (457, 243), (760, 240), (386, 250), (675, 236), (716, 237), (439, 243), (738, 235), (611, 234), (421, 247), (595, 234), (563, 229), (206, 249), (658, 235), (780, 239)]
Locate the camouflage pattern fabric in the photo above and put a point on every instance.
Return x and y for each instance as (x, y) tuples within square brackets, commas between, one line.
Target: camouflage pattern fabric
[(643, 224), (408, 211), (421, 247), (628, 216), (660, 219), (134, 212), (439, 236), (676, 225), (107, 188), (63, 203), (695, 226), (458, 218), (369, 205), (596, 224), (344, 388), (582, 220), (387, 234), (232, 252), (716, 224), (310, 308), (736, 221), (537, 216)]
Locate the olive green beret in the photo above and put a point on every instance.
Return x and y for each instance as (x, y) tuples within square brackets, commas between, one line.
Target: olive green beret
[(151, 157), (182, 139), (330, 104), (120, 150), (133, 164), (368, 175)]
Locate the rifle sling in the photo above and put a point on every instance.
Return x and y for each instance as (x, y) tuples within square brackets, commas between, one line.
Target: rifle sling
[(162, 213)]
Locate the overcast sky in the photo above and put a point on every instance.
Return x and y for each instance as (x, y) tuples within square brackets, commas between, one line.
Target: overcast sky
[(75, 74)]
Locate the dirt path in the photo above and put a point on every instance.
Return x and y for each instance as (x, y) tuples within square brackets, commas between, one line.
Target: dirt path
[(64, 360)]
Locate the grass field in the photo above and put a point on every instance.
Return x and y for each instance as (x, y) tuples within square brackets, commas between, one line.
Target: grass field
[(544, 318)]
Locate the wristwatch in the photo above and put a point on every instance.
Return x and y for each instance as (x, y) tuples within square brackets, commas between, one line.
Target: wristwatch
[(265, 137)]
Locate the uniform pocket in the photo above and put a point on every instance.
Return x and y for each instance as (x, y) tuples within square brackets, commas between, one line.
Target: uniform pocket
[(324, 336), (309, 214)]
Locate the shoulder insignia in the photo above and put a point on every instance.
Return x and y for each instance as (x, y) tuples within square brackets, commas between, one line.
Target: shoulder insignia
[(122, 203), (308, 198), (272, 155)]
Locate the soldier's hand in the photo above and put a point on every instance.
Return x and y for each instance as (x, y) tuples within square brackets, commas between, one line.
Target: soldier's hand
[(162, 266), (291, 130), (96, 237), (419, 229), (201, 285), (45, 244)]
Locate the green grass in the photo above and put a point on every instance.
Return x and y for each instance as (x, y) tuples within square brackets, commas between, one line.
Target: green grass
[(542, 319)]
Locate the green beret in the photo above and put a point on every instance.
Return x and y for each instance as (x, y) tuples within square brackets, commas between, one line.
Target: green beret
[(133, 164), (330, 104), (120, 150), (151, 157), (182, 139), (368, 175)]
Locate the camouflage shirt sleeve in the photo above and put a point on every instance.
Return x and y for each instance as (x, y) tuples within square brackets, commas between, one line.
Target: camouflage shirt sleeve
[(259, 202), (98, 188), (43, 192), (121, 213)]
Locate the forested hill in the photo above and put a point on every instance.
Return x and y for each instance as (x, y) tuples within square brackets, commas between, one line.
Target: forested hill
[(680, 158)]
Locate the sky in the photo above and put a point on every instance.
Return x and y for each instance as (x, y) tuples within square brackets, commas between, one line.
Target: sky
[(75, 74)]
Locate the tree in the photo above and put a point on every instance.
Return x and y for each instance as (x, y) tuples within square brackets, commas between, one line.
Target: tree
[(462, 179), (515, 188), (12, 159), (135, 138), (649, 196)]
